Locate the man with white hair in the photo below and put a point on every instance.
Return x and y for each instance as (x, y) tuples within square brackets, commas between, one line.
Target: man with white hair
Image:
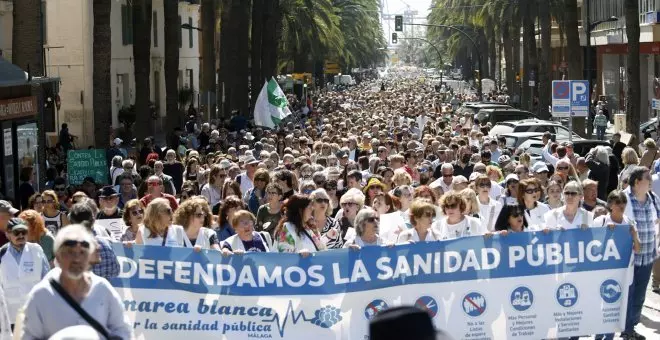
[(598, 162), (70, 293), (446, 179)]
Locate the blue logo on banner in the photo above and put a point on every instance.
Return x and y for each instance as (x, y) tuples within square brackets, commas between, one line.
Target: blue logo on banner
[(610, 291), (567, 295), (428, 304), (474, 304), (374, 307), (522, 298)]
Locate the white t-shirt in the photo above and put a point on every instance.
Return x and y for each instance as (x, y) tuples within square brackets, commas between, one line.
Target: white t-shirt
[(536, 217), (489, 212), (602, 221), (555, 219), (469, 226), (495, 190)]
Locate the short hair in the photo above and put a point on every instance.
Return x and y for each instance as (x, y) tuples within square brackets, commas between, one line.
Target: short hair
[(356, 175), (353, 196), (636, 175), (117, 161), (322, 194), (447, 166), (361, 219), (617, 196), (587, 182), (188, 208), (629, 156), (575, 186), (128, 207), (262, 175), (401, 177), (75, 232), (242, 215), (418, 207), (452, 199), (52, 195), (82, 213)]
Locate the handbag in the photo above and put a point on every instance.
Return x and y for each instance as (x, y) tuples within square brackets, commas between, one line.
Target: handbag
[(83, 313)]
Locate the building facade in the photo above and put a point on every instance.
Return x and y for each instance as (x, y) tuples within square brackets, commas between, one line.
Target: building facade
[(68, 35)]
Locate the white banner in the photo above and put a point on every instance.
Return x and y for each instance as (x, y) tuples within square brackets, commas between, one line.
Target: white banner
[(520, 286), (115, 226)]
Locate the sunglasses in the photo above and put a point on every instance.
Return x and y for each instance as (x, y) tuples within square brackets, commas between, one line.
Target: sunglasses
[(38, 202), (484, 185), (432, 214), (532, 191), (73, 243), (562, 168), (19, 232), (322, 200), (137, 212), (373, 219), (570, 193)]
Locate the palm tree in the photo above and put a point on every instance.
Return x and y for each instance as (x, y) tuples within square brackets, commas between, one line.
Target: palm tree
[(633, 87), (142, 66), (101, 50), (272, 35), (27, 42), (172, 35), (256, 36), (207, 86)]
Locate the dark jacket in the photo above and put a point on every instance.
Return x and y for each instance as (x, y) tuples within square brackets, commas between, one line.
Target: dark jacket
[(600, 172)]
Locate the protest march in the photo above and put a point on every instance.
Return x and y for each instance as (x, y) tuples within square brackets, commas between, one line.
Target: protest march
[(390, 209)]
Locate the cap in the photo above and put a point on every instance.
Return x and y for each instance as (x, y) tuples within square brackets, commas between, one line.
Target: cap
[(474, 175), (403, 322), (539, 167), (459, 180), (250, 160), (503, 159), (225, 164), (108, 191), (117, 141), (16, 224), (6, 207), (510, 177)]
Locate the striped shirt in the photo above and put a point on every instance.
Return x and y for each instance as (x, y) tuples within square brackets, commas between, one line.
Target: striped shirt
[(645, 215)]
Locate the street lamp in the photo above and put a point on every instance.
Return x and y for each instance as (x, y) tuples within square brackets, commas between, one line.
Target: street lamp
[(589, 27), (190, 27)]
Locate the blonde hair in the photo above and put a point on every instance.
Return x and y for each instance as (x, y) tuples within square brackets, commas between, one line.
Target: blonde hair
[(629, 156), (153, 213), (649, 143), (401, 177), (188, 208), (322, 194), (470, 197)]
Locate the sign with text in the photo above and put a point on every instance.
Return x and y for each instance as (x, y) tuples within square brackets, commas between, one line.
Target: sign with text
[(570, 98), (115, 226), (87, 163), (18, 107), (520, 286)]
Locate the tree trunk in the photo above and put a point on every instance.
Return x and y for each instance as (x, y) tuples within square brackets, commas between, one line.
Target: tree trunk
[(526, 23), (508, 57), (225, 48), (633, 106), (573, 53), (545, 68), (492, 50), (272, 35), (101, 50), (27, 42), (516, 26), (256, 74), (142, 67), (172, 32), (241, 11), (207, 87)]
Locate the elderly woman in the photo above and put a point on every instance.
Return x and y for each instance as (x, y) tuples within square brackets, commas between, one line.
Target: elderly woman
[(116, 169), (212, 190), (401, 177), (455, 223), (37, 233), (195, 217), (571, 215), (74, 246), (630, 160), (421, 214), (246, 238), (321, 211), (296, 232), (351, 202), (158, 229), (598, 161), (529, 193), (489, 209), (366, 229), (230, 206), (133, 216)]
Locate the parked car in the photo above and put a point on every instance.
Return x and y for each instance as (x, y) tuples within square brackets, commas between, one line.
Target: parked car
[(496, 115), (534, 146), (650, 128), (532, 125), (474, 107), (515, 139)]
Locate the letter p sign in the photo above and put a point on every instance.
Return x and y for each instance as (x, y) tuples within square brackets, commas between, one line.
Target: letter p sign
[(580, 97)]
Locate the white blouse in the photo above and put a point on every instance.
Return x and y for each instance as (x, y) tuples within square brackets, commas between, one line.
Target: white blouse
[(469, 226), (176, 237), (602, 221), (555, 219), (489, 212), (536, 217), (411, 235)]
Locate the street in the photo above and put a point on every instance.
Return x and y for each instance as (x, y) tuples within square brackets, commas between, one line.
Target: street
[(650, 326)]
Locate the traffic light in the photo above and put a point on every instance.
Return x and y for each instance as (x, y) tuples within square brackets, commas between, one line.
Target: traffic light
[(394, 38), (398, 23)]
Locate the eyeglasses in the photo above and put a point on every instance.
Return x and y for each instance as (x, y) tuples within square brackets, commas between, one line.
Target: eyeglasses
[(38, 202), (348, 204), (484, 185), (73, 243), (48, 201), (570, 193), (273, 193), (19, 232), (562, 168), (322, 200), (373, 219), (430, 214), (137, 212), (532, 190)]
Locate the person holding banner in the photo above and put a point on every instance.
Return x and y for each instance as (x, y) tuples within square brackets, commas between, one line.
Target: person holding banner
[(227, 210), (529, 193), (158, 229), (489, 208), (246, 239), (366, 230), (71, 294), (455, 223), (296, 233), (351, 202), (571, 215), (195, 215), (422, 214), (133, 217)]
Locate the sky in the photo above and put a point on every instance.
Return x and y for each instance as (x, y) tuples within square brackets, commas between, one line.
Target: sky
[(395, 7)]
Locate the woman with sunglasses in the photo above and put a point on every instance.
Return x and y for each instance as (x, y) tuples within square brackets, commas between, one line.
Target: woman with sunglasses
[(330, 187), (321, 212), (195, 217), (351, 202), (489, 209), (270, 213), (366, 229), (455, 223), (133, 217), (158, 229), (422, 214), (529, 193), (571, 215), (53, 217)]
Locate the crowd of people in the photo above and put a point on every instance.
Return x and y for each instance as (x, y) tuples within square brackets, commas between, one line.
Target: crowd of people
[(368, 166)]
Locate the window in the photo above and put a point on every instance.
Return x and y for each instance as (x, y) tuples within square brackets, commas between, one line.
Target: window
[(180, 35), (189, 76), (190, 33), (155, 29), (126, 25)]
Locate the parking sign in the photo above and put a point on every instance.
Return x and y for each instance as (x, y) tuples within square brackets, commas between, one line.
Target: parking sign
[(580, 98), (570, 98)]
